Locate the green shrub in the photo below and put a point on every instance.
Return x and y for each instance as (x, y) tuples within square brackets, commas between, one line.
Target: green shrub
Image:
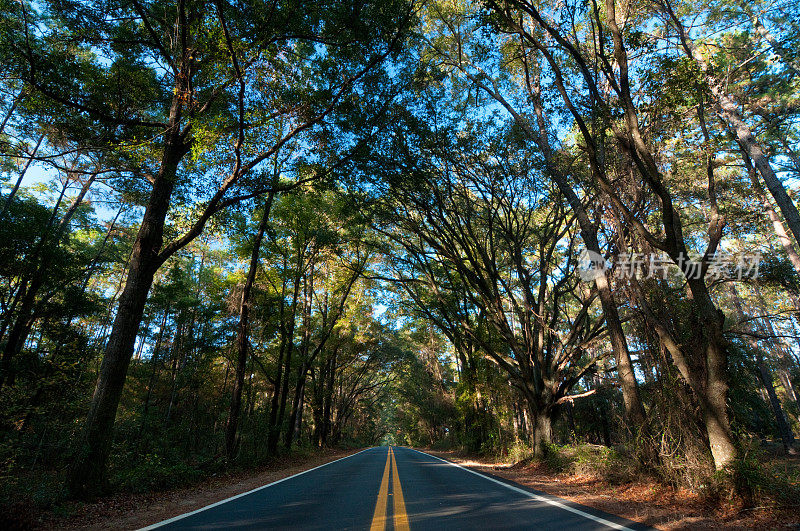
[(605, 462), (519, 452), (609, 464), (557, 458), (153, 473), (755, 479)]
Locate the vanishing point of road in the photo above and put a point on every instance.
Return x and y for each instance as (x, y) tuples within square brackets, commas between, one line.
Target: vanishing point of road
[(394, 488)]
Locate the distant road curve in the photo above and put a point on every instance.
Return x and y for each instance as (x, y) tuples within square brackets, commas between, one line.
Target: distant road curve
[(394, 488)]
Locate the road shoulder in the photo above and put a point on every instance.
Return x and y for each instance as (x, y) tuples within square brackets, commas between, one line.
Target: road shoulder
[(645, 502), (133, 511)]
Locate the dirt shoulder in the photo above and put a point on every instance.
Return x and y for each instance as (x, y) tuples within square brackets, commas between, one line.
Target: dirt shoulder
[(642, 501), (133, 511)]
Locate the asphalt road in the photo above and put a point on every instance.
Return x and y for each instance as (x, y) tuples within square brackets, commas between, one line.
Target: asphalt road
[(395, 488)]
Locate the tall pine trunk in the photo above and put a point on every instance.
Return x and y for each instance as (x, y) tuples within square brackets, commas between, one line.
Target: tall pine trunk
[(242, 336), (278, 410), (86, 476)]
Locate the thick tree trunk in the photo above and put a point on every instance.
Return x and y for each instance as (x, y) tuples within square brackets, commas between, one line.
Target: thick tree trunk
[(631, 398), (87, 473), (715, 407), (242, 336), (712, 390), (542, 431)]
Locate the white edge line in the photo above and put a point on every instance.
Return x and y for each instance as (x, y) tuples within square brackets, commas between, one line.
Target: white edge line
[(558, 504), (226, 500)]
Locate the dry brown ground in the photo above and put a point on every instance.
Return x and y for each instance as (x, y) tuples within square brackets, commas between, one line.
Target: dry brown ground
[(132, 511), (642, 501)]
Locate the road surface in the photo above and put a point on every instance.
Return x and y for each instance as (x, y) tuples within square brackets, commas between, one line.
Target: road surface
[(394, 488)]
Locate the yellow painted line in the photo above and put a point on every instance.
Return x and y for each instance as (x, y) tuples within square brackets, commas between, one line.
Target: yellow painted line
[(379, 516), (400, 516)]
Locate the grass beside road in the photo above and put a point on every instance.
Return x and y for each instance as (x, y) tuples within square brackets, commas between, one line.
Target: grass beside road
[(132, 511)]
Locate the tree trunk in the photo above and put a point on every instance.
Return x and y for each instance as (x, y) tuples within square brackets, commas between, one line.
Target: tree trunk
[(785, 432), (603, 410), (273, 409), (776, 45), (153, 369), (765, 375), (10, 197), (777, 224), (87, 473), (573, 434), (177, 366), (242, 337), (18, 333), (713, 389), (790, 391), (300, 407), (308, 294), (297, 406), (282, 384), (319, 380), (272, 425), (284, 398), (328, 399), (631, 398), (542, 431), (634, 410)]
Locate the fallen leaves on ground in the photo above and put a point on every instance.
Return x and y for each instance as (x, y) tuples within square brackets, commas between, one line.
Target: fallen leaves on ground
[(644, 500)]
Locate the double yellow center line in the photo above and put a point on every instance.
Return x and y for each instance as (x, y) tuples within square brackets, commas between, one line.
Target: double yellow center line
[(399, 504)]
